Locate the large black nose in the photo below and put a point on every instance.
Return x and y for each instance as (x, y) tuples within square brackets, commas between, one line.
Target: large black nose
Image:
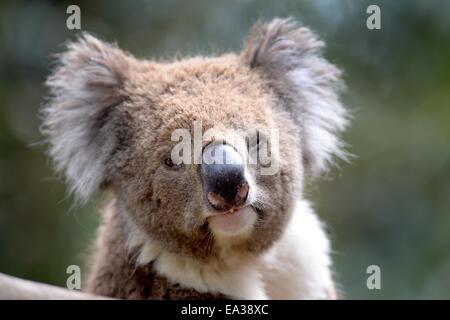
[(223, 176)]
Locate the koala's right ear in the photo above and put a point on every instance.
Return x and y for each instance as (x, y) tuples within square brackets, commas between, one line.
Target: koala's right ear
[(85, 88), (308, 86)]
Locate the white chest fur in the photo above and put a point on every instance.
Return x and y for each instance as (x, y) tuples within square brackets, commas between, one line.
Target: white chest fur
[(296, 267)]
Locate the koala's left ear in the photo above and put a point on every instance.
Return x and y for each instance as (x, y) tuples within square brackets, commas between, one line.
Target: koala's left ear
[(86, 88), (289, 58)]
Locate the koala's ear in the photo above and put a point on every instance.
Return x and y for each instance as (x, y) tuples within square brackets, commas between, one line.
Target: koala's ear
[(85, 89), (307, 85)]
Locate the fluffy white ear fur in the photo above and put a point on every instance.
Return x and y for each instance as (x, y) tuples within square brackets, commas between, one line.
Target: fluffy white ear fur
[(84, 88), (296, 267), (307, 85)]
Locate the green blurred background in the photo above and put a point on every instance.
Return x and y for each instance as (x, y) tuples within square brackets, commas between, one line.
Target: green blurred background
[(390, 207)]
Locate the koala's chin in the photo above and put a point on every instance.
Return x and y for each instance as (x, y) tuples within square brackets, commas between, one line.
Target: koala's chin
[(237, 223)]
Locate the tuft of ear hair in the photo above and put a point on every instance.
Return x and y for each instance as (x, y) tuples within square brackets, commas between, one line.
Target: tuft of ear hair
[(85, 87), (289, 57)]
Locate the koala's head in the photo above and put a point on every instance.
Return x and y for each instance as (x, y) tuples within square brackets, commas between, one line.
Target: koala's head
[(113, 123)]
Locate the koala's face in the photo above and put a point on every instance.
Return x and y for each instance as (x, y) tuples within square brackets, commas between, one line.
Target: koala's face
[(197, 206), (115, 121)]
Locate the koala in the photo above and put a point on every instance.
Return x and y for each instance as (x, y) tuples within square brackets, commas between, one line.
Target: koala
[(197, 230)]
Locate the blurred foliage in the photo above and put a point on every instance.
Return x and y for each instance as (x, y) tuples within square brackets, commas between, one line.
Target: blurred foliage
[(390, 207)]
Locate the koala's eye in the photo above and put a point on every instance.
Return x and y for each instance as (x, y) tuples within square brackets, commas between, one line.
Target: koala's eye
[(171, 165)]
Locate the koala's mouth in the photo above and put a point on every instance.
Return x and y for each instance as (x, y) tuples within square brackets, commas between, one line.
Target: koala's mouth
[(231, 211), (236, 221), (236, 210)]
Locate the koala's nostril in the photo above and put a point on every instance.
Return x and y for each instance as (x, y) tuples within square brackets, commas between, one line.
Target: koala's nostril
[(218, 202), (224, 181), (242, 192)]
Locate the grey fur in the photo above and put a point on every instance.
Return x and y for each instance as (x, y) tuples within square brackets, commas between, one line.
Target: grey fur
[(84, 87)]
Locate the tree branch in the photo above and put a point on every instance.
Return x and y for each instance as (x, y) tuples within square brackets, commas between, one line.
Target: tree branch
[(15, 288)]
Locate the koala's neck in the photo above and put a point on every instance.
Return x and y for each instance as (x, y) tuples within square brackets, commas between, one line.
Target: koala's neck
[(127, 264), (232, 274)]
